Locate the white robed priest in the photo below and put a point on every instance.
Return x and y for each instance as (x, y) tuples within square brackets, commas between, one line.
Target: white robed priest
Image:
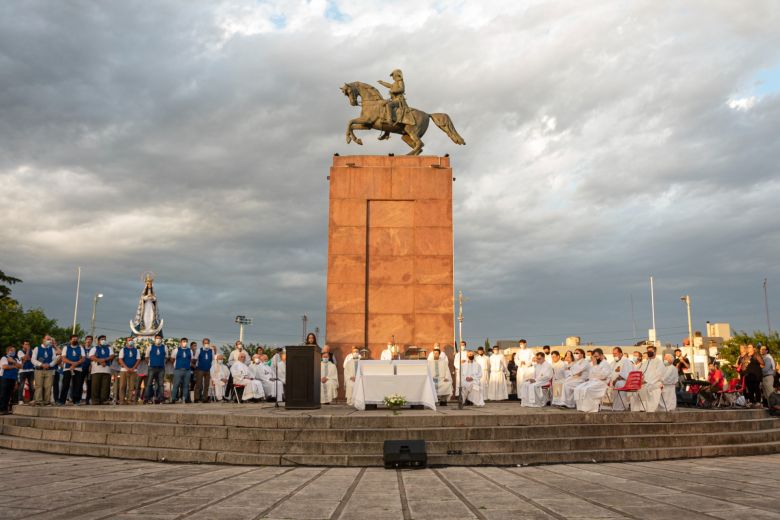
[(578, 374), (242, 376), (219, 377), (589, 395), (263, 373), (531, 391), (484, 363), (280, 375), (458, 360), (499, 373), (559, 374), (669, 380), (649, 397), (524, 358), (439, 367), (471, 373), (238, 350), (621, 367), (350, 372), (388, 353), (329, 380)]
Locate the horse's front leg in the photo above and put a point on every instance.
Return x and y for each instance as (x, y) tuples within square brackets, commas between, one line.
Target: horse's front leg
[(356, 124)]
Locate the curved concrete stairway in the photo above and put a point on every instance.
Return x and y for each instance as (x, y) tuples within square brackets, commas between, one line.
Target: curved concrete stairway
[(239, 437)]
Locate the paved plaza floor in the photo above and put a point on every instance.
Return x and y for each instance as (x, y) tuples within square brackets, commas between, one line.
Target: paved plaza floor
[(37, 485)]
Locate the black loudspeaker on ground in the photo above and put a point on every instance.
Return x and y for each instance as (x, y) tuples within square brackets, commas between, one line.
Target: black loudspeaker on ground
[(405, 454)]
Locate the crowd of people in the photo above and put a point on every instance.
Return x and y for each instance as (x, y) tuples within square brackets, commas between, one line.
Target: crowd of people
[(97, 374)]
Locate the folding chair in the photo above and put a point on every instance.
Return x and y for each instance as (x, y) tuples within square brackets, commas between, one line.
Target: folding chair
[(731, 390), (633, 384)]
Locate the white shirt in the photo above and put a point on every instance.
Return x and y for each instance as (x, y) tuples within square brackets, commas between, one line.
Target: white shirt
[(97, 368), (55, 358), (6, 361), (19, 355), (121, 353)]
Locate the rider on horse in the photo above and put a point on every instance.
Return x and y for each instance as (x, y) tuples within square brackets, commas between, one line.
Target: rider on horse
[(396, 110)]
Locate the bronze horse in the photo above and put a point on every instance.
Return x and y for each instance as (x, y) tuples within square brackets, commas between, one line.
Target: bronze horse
[(372, 109)]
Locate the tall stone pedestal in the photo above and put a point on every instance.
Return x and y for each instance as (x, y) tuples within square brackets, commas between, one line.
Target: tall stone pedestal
[(390, 253)]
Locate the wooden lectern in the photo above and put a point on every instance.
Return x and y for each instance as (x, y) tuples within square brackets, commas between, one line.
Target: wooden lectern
[(302, 388)]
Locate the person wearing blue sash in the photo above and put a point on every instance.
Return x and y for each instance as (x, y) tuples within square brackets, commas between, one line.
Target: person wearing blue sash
[(45, 360), (86, 370), (204, 357), (157, 355), (181, 371), (72, 359), (27, 372), (129, 359), (101, 357), (9, 372)]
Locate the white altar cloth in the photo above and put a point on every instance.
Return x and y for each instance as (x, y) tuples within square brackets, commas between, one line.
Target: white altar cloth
[(377, 379)]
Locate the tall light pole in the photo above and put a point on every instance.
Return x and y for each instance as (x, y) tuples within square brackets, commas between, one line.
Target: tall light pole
[(652, 311), (242, 320), (94, 312), (766, 307), (687, 300), (76, 307), (304, 319)]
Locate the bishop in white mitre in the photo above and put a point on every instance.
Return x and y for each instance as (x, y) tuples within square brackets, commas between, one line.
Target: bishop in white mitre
[(621, 367), (350, 372), (531, 391), (439, 368), (242, 376), (649, 396), (484, 364), (559, 375), (497, 380), (669, 380), (329, 380), (219, 377), (471, 373), (589, 394), (578, 374)]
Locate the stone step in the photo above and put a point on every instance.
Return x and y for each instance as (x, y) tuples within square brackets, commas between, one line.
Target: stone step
[(470, 459)]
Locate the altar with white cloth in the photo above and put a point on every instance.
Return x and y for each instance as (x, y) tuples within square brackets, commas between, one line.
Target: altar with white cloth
[(377, 379)]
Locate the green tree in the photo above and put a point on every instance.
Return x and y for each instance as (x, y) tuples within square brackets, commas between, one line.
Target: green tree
[(730, 350), (5, 289)]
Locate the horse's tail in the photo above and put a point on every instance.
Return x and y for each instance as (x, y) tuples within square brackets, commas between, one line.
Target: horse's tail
[(444, 122)]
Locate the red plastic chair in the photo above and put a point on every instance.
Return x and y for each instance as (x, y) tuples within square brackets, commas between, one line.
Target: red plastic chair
[(236, 388), (733, 389), (633, 384)]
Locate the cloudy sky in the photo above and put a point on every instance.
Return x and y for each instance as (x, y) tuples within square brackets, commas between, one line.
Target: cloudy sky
[(606, 141)]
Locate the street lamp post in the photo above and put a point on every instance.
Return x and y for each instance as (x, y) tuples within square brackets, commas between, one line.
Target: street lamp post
[(304, 319), (94, 312), (687, 300), (242, 320)]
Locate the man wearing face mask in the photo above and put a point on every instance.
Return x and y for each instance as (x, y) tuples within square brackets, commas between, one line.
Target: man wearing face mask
[(181, 371), (72, 359), (219, 377), (669, 379), (9, 372), (45, 360), (621, 367), (471, 373), (157, 355), (204, 358), (589, 395), (531, 391), (578, 374), (101, 357), (265, 374), (649, 397), (329, 378), (350, 372)]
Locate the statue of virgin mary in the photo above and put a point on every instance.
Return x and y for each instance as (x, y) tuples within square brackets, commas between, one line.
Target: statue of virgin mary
[(147, 320)]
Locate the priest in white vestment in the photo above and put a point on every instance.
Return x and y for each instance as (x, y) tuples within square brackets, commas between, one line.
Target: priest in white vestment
[(242, 376), (589, 394), (234, 354), (263, 373), (471, 371), (484, 363), (559, 374), (350, 372), (649, 397), (280, 376), (329, 380), (439, 367), (669, 380), (621, 367), (578, 374), (219, 377), (388, 353), (524, 360), (497, 380), (531, 392), (458, 360)]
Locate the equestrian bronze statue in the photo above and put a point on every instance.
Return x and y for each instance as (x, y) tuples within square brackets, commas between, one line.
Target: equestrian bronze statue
[(393, 116)]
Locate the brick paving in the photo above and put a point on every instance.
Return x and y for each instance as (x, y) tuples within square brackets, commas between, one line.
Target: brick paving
[(99, 488)]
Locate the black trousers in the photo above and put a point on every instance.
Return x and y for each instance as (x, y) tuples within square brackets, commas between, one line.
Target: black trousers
[(6, 391), (30, 378), (71, 382), (753, 387)]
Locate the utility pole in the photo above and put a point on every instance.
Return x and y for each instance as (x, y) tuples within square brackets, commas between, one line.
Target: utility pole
[(242, 320), (687, 300), (304, 319), (652, 311), (76, 307), (94, 312), (766, 307)]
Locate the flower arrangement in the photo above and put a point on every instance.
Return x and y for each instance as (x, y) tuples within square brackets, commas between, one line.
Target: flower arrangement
[(395, 401)]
